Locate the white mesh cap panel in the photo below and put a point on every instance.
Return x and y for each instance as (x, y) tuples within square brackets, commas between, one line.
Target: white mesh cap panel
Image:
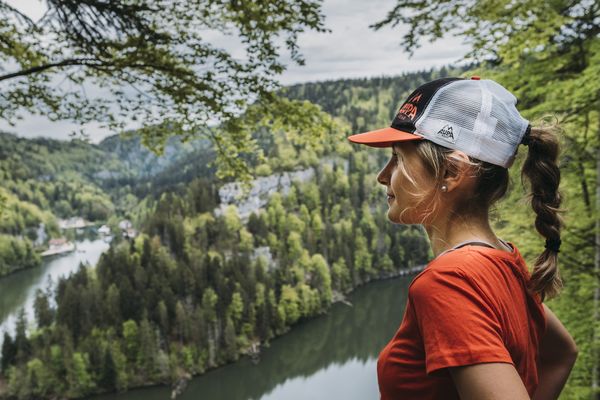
[(452, 96), (503, 141), (476, 116)]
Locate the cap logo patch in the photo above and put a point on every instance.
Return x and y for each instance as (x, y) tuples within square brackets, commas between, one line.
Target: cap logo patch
[(447, 133), (409, 110), (415, 98)]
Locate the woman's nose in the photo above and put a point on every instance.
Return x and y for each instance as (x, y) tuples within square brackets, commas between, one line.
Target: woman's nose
[(382, 177)]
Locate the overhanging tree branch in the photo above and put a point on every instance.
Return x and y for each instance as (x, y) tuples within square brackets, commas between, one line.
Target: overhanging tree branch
[(65, 63)]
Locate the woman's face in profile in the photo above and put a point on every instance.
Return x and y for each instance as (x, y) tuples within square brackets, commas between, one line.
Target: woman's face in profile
[(401, 189)]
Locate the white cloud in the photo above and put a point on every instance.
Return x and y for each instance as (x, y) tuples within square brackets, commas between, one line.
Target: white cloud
[(354, 50), (37, 126), (34, 9), (351, 50)]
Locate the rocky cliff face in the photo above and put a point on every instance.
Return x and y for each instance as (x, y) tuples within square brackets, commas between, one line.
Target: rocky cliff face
[(258, 196), (262, 188)]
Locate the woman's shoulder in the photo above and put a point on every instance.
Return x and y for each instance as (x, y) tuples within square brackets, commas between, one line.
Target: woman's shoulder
[(470, 265), (454, 262), (440, 274), (471, 275)]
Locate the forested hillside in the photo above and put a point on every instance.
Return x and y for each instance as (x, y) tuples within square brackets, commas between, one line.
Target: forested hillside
[(45, 179)]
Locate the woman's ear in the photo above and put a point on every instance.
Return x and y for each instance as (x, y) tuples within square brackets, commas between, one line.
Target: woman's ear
[(457, 171)]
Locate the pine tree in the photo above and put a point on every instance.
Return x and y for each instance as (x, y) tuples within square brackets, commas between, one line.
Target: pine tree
[(9, 352), (108, 376)]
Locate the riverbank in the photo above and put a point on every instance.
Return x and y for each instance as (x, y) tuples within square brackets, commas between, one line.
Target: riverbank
[(58, 247), (33, 257), (18, 289)]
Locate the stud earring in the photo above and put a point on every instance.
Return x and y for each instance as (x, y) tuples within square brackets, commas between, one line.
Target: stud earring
[(444, 188)]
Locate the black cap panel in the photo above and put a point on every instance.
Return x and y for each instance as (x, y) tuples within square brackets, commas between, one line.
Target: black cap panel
[(416, 103)]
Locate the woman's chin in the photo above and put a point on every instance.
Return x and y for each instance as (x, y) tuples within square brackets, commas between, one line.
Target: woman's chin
[(397, 216), (394, 216)]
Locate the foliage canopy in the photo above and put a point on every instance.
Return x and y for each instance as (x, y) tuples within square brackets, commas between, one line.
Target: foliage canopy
[(155, 62)]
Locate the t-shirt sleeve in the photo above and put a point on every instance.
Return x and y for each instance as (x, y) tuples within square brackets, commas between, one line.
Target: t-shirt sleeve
[(457, 322)]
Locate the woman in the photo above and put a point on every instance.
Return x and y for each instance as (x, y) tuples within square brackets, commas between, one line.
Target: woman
[(474, 326)]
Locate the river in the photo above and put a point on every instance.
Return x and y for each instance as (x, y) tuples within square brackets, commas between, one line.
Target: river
[(333, 356), (18, 290)]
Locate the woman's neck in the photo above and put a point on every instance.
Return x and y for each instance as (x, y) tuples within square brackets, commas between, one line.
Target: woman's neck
[(444, 233)]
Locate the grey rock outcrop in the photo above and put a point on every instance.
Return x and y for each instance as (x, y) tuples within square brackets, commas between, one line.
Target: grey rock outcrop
[(258, 196)]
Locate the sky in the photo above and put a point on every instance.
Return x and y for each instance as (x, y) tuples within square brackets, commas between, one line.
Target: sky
[(351, 50)]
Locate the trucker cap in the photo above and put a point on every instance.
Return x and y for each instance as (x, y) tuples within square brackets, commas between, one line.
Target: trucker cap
[(476, 116)]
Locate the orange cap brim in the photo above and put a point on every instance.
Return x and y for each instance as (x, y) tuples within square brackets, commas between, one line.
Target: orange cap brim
[(383, 137)]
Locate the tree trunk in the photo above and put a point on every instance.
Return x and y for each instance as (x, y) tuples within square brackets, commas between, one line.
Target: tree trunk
[(580, 166), (595, 353)]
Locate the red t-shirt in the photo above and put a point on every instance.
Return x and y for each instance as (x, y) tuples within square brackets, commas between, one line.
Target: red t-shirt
[(468, 306)]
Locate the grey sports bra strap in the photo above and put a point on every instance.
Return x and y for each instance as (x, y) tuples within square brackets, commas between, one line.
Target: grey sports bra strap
[(472, 242)]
